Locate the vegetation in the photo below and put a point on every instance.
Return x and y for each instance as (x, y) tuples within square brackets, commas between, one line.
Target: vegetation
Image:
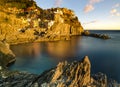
[(20, 4)]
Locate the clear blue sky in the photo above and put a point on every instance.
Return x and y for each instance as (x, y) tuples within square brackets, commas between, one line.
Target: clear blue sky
[(93, 14)]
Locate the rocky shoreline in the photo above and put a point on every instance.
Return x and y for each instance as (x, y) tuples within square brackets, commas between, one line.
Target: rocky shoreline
[(31, 23), (101, 36), (6, 55), (75, 74)]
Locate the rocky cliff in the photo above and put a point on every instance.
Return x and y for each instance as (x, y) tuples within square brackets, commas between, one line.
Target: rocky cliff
[(75, 74), (6, 55), (23, 21)]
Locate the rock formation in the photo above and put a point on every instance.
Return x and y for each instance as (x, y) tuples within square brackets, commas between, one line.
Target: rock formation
[(75, 74), (102, 36), (23, 21), (6, 55)]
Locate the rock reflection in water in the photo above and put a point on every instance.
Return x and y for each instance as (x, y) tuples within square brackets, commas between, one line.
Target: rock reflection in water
[(38, 57), (60, 49), (27, 50)]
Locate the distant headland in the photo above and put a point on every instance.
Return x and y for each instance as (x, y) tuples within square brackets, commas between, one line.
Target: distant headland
[(23, 21)]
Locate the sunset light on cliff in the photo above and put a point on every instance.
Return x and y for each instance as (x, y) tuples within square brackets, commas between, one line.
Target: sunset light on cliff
[(93, 14)]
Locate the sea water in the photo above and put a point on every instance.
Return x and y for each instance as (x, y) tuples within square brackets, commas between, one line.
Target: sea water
[(103, 54)]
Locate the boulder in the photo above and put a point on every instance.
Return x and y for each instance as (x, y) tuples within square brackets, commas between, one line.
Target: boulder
[(6, 55)]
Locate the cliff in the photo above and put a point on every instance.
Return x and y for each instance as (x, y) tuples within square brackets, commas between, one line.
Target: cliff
[(6, 55), (23, 21), (75, 74)]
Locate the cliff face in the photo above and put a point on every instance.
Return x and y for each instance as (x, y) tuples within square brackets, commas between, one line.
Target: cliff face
[(6, 55), (23, 21), (75, 74)]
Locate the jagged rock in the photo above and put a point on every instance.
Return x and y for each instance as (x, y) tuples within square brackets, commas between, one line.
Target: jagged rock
[(70, 75), (6, 55), (16, 79), (75, 74), (113, 83), (100, 80)]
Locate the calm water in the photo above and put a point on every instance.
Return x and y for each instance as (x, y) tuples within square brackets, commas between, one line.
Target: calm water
[(104, 54)]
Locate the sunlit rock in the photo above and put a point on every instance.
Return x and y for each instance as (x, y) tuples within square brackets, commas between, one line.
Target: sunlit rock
[(6, 55), (102, 36), (19, 17), (65, 74)]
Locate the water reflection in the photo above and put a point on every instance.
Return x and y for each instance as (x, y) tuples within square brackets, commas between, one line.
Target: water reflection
[(36, 50), (60, 49), (38, 57), (32, 50)]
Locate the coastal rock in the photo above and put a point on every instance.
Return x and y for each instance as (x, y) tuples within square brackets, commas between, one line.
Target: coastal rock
[(75, 74), (6, 55), (100, 80), (23, 22), (102, 36), (86, 33), (16, 79)]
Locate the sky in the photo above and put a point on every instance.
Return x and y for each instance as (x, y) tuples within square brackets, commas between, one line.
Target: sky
[(93, 14)]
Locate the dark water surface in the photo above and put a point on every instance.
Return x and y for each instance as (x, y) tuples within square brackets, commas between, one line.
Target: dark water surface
[(38, 57)]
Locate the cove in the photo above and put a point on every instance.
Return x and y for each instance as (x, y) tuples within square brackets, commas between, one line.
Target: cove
[(38, 57)]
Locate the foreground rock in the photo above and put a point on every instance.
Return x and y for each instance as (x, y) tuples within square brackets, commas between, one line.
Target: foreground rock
[(22, 21), (6, 55), (75, 74)]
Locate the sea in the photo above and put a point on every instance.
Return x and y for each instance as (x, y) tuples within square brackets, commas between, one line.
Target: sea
[(103, 54)]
